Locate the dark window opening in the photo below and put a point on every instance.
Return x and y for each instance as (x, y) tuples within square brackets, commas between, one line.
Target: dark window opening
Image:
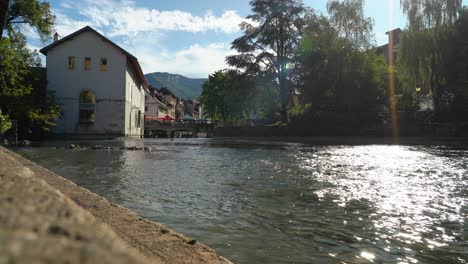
[(87, 64), (103, 64), (138, 119), (71, 62)]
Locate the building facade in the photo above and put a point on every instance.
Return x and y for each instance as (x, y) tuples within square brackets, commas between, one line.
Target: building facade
[(194, 109), (153, 107), (174, 104), (99, 85), (392, 47)]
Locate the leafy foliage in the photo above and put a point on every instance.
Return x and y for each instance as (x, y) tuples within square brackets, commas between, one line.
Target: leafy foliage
[(228, 95), (347, 18), (23, 91), (423, 14), (332, 62), (425, 48), (5, 123), (339, 75), (3, 12), (13, 71), (270, 42), (33, 13), (456, 70)]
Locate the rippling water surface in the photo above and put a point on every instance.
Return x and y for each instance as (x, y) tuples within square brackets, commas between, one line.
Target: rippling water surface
[(272, 202)]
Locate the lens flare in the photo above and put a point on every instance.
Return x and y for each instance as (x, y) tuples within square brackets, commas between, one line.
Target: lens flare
[(391, 78)]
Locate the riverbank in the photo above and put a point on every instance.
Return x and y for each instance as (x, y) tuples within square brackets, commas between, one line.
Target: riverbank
[(372, 134), (121, 235), (355, 141)]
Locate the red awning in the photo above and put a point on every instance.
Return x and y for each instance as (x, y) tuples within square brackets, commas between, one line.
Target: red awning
[(166, 118)]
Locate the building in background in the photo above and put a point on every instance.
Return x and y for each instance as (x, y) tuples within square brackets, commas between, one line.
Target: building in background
[(193, 108), (393, 43), (99, 85), (173, 103), (154, 108)]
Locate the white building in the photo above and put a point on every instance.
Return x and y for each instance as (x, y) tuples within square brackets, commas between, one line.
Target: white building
[(153, 107), (99, 85)]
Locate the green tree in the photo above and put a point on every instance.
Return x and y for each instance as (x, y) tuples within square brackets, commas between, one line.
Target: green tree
[(341, 73), (423, 49), (348, 19), (34, 13), (212, 96), (424, 14), (456, 68), (14, 69), (270, 42), (5, 123), (227, 96), (3, 13), (23, 95)]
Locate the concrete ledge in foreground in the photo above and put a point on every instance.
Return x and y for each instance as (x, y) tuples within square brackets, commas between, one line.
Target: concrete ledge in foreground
[(45, 218)]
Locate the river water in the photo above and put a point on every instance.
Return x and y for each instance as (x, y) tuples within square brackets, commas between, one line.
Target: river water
[(275, 202)]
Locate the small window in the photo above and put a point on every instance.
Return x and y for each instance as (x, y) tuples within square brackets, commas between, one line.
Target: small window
[(103, 64), (87, 64), (71, 62), (138, 119)]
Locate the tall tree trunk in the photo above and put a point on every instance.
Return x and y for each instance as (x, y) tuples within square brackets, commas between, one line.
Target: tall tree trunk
[(284, 94), (436, 93), (3, 14)]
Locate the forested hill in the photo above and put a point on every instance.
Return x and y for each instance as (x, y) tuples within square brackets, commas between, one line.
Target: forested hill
[(183, 87)]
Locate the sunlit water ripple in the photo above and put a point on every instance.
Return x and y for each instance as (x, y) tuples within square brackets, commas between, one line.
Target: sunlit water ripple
[(270, 202)]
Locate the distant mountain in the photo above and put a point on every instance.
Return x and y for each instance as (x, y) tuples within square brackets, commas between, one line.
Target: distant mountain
[(183, 87)]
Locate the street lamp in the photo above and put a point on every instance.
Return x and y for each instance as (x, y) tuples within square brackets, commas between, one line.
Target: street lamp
[(418, 88), (418, 91)]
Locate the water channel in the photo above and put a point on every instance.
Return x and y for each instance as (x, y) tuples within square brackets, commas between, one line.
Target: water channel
[(277, 202)]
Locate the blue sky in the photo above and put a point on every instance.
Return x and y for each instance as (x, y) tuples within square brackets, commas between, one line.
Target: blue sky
[(189, 37)]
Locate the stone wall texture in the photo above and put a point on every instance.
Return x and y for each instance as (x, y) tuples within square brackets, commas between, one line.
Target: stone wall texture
[(45, 218)]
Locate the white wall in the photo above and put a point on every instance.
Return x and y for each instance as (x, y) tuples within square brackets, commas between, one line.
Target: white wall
[(134, 104), (112, 102), (152, 106)]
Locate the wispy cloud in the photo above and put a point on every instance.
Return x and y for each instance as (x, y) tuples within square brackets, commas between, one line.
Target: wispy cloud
[(65, 24), (124, 18), (193, 61), (143, 32)]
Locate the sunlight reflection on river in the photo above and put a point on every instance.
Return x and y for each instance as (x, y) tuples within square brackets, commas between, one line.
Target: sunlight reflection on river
[(410, 191), (271, 202)]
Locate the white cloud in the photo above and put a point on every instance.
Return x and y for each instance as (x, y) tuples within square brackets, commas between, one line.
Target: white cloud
[(123, 18), (129, 20), (66, 25), (196, 60), (65, 5), (142, 31)]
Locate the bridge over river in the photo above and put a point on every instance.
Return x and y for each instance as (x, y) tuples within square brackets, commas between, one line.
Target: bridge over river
[(194, 128)]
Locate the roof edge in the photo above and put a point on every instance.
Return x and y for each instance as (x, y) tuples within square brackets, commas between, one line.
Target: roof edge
[(132, 58)]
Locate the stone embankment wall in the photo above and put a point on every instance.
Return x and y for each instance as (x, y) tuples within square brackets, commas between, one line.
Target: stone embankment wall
[(45, 218), (309, 130)]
